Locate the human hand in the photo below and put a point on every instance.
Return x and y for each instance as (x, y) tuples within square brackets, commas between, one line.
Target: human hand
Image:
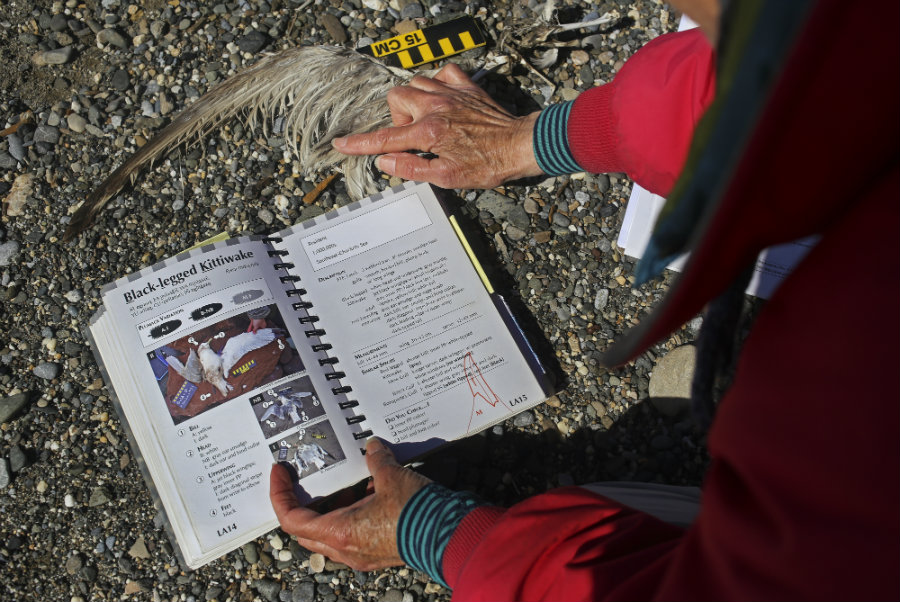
[(478, 144), (363, 535)]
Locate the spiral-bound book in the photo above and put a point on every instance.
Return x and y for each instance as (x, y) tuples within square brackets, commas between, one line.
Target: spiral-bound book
[(374, 319)]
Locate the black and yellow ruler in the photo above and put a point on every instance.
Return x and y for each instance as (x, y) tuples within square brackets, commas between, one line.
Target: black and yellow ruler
[(429, 44)]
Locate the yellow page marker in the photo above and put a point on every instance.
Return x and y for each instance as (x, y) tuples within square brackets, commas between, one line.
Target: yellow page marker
[(472, 258), (214, 238)]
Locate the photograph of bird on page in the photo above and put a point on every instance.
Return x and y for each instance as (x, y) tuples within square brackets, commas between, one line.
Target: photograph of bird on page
[(309, 449), (224, 360), (286, 406)]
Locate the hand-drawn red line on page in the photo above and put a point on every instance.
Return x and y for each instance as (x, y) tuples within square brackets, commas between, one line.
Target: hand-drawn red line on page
[(478, 387)]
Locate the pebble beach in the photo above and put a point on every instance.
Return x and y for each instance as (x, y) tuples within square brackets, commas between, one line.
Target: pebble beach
[(85, 83)]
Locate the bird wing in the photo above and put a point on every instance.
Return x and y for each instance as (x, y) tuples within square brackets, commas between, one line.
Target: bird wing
[(192, 371), (272, 410), (238, 346)]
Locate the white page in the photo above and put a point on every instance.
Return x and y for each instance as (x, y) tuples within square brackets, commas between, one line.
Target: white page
[(417, 333), (209, 451)]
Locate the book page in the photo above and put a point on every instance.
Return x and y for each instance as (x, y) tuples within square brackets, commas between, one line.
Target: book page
[(421, 341), (211, 369), (772, 266)]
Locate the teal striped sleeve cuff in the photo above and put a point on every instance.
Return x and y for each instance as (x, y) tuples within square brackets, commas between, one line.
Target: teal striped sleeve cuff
[(426, 524), (551, 141)]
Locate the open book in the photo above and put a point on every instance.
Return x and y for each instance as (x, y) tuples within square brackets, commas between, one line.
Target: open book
[(373, 319)]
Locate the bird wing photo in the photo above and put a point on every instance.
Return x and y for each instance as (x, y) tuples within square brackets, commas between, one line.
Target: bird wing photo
[(191, 371), (242, 344), (274, 410)]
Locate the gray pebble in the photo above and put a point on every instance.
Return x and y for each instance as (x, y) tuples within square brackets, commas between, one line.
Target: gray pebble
[(601, 299), (514, 233), (392, 595), (602, 181), (494, 203), (253, 42), (17, 459), (334, 27), (7, 161), (251, 552), (111, 37), (47, 370), (518, 217), (99, 497), (267, 588), (305, 591), (158, 29), (120, 80), (524, 419), (74, 564), (561, 220), (76, 122), (4, 474), (266, 216), (58, 56), (413, 10), (11, 406), (16, 149), (593, 41), (58, 22), (46, 133)]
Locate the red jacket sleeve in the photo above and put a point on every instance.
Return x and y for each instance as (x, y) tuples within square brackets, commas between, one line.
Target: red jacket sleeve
[(567, 544), (642, 122)]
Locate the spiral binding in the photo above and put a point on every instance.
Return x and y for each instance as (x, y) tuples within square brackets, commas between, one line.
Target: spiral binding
[(308, 319)]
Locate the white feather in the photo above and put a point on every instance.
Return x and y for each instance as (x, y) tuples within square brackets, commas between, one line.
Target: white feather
[(242, 344)]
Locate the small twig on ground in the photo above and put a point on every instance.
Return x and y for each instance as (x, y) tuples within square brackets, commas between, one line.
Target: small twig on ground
[(310, 197)]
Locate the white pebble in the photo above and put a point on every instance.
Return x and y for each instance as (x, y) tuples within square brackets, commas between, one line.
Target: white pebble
[(69, 500), (285, 555), (41, 486), (276, 543)]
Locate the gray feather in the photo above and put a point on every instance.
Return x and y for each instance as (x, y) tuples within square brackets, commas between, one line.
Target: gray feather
[(323, 92)]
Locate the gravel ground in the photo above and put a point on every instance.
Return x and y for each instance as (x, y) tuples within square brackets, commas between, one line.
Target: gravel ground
[(85, 83)]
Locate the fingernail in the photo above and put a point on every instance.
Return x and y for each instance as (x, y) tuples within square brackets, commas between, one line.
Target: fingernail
[(386, 163), (336, 142)]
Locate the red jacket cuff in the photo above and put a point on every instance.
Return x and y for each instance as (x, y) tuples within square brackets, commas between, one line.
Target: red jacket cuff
[(592, 132)]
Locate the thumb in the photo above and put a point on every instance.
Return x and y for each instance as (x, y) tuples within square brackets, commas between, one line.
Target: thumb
[(378, 457)]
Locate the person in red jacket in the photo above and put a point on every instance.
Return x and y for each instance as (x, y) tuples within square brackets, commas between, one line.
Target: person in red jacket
[(802, 499)]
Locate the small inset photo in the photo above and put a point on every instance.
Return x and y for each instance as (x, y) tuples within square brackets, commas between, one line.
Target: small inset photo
[(224, 360), (309, 450), (286, 406)]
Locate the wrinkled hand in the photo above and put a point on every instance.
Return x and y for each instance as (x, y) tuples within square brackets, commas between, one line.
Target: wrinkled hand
[(478, 144), (364, 535)]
